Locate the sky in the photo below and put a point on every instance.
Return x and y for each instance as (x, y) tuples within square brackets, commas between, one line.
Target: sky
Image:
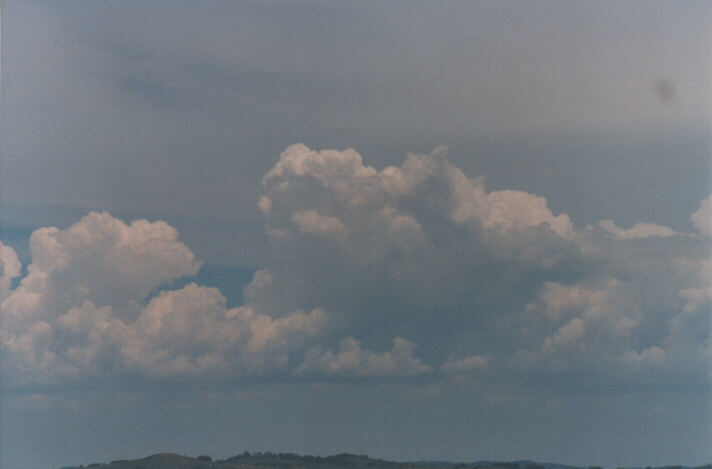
[(413, 230)]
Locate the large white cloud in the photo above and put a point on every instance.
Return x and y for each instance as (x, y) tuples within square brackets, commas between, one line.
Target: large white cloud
[(426, 252), (338, 183), (79, 312), (191, 332), (183, 333), (481, 281), (100, 259), (401, 244)]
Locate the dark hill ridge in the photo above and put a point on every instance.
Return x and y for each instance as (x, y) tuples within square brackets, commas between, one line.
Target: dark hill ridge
[(340, 461), (520, 464), (253, 461)]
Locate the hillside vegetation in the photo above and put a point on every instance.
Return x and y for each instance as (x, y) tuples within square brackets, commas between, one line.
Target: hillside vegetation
[(248, 460), (252, 461)]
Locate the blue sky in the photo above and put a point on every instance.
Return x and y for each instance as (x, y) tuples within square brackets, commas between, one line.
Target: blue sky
[(464, 230)]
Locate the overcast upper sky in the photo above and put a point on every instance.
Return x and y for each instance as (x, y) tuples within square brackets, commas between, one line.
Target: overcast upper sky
[(415, 230)]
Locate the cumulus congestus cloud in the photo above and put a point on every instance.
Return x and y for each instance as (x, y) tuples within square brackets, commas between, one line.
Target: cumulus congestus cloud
[(406, 249), (481, 280), (81, 310), (413, 271)]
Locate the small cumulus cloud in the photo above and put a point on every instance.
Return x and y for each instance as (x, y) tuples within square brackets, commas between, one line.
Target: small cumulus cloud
[(583, 327), (638, 231), (510, 209), (352, 360), (702, 218), (10, 268), (469, 364)]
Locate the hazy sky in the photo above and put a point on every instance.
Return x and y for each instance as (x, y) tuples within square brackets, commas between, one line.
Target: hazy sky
[(415, 230)]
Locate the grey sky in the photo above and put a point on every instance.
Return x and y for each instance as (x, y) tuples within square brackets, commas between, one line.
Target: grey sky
[(521, 334)]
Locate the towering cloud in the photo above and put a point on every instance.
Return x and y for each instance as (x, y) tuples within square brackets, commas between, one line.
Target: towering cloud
[(79, 312), (405, 245), (100, 259), (480, 283), (426, 252)]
